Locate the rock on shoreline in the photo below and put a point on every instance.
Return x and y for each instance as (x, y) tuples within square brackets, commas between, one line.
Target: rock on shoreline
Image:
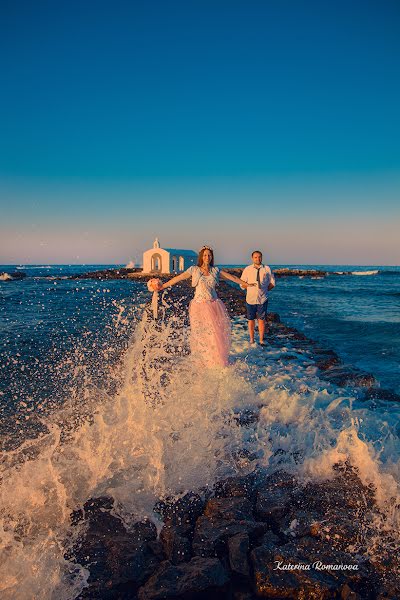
[(255, 537)]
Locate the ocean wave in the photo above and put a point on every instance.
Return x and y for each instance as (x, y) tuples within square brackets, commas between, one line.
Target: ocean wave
[(364, 272), (6, 277), (372, 272), (170, 428), (34, 267)]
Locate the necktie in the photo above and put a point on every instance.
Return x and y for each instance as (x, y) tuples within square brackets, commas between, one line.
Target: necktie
[(258, 278)]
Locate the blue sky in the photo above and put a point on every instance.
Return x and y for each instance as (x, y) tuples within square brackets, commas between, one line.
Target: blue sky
[(218, 122)]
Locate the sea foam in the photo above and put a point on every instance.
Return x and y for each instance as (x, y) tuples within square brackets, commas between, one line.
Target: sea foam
[(172, 427)]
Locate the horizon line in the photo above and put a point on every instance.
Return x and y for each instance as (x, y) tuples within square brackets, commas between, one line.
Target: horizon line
[(223, 264)]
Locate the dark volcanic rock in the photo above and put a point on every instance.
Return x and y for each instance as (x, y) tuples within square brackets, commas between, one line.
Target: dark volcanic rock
[(274, 497), (177, 548), (374, 393), (236, 487), (205, 576), (211, 534), (238, 547), (326, 359), (335, 511), (229, 509), (182, 513), (311, 571), (118, 560), (344, 376), (121, 273), (285, 272)]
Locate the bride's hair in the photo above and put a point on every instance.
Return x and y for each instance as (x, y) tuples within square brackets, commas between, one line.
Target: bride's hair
[(200, 257)]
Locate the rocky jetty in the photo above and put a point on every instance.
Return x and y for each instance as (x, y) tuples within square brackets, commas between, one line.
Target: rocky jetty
[(137, 273), (122, 273), (254, 536), (249, 537), (286, 272)]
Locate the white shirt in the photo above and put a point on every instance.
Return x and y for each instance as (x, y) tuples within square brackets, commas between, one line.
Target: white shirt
[(257, 294), (204, 284)]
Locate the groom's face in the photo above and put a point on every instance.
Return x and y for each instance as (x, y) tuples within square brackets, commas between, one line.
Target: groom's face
[(257, 258)]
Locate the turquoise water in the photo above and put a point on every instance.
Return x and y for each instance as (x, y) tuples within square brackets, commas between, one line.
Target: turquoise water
[(358, 316), (43, 320)]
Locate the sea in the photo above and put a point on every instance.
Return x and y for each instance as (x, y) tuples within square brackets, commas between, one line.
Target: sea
[(94, 402)]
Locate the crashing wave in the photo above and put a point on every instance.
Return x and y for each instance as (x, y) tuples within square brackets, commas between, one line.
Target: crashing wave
[(130, 265), (364, 272), (6, 277)]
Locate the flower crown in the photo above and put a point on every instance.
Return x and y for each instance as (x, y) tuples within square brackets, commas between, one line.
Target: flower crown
[(206, 248)]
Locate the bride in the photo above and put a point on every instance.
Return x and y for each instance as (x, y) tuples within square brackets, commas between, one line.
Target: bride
[(210, 325)]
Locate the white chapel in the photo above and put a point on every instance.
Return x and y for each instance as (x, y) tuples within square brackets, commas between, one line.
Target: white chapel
[(167, 260)]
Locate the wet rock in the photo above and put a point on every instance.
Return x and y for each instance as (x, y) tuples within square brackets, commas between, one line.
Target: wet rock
[(286, 272), (326, 359), (177, 548), (96, 512), (117, 559), (344, 376), (122, 273), (238, 548), (300, 523), (205, 576), (229, 509), (118, 563), (273, 318), (270, 540), (144, 531), (236, 487), (306, 570), (347, 593), (181, 513), (273, 498), (157, 549), (334, 511), (287, 357), (374, 393), (129, 560), (243, 595), (388, 588), (211, 534), (344, 491)]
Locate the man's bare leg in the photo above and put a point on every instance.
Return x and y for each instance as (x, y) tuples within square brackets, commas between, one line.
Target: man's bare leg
[(261, 329), (251, 330)]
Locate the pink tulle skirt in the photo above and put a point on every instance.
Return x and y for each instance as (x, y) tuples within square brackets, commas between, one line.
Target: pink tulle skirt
[(210, 332)]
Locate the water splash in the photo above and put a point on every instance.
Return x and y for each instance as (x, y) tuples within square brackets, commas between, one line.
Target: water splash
[(170, 427)]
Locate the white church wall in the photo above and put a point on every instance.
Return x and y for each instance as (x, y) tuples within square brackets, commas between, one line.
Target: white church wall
[(167, 260)]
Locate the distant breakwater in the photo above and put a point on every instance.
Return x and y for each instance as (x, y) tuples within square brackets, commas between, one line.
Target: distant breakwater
[(137, 273), (125, 273)]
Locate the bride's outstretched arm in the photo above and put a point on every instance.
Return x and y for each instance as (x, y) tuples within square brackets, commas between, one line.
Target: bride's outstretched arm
[(235, 279), (174, 280)]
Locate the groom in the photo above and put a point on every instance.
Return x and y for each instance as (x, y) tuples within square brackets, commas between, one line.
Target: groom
[(257, 296)]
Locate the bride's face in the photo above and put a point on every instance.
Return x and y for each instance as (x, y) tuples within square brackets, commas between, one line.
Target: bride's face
[(206, 257)]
